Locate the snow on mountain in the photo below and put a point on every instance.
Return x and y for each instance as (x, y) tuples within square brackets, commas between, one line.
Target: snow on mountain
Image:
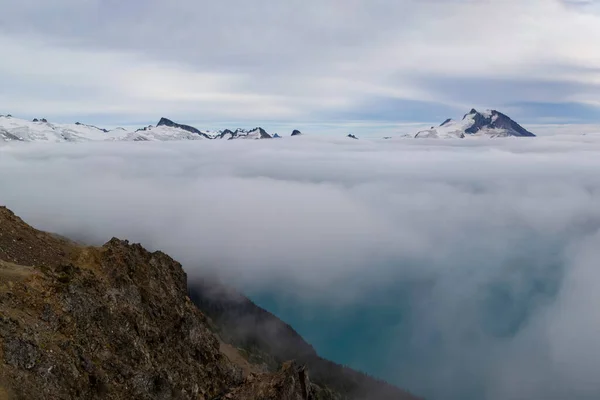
[(489, 123), (256, 133), (161, 133), (16, 129), (39, 130), (177, 128)]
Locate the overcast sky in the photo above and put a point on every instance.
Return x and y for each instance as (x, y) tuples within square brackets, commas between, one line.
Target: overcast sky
[(230, 62)]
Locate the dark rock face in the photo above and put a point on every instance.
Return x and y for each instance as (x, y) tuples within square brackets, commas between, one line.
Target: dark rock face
[(351, 136), (227, 132), (263, 133), (496, 120), (167, 122), (36, 120), (276, 136), (243, 132), (445, 122), (296, 132)]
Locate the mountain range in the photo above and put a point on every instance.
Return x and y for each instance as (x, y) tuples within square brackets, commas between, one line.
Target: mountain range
[(489, 123)]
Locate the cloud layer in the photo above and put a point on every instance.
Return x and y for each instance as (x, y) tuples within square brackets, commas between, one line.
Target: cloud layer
[(334, 60), (487, 249)]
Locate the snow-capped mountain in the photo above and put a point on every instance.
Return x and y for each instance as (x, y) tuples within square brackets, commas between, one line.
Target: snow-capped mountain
[(15, 129), (489, 123), (40, 130)]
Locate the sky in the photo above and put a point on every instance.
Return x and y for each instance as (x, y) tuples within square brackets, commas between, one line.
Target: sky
[(482, 255), (300, 63)]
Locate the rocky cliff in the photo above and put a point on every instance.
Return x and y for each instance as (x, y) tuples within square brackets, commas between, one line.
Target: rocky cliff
[(116, 322)]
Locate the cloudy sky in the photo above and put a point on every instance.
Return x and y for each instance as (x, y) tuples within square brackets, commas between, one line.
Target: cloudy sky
[(224, 63)]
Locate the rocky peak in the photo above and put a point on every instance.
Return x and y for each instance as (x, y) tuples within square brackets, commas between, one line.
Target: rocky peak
[(492, 119), (262, 132), (296, 132), (167, 122)]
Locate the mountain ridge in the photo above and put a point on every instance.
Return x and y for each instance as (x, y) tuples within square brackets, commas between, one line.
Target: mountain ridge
[(116, 322)]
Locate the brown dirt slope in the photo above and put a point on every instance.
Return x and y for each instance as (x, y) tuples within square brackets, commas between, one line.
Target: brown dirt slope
[(24, 245)]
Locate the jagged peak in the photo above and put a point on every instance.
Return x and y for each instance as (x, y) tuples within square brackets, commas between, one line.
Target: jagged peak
[(169, 123), (166, 122), (263, 133)]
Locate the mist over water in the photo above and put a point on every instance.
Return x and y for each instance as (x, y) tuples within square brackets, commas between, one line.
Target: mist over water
[(455, 269), (439, 336)]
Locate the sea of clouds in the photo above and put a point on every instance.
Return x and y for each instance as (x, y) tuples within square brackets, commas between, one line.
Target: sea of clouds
[(488, 249)]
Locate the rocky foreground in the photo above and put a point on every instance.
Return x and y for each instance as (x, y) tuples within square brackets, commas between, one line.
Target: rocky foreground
[(116, 322)]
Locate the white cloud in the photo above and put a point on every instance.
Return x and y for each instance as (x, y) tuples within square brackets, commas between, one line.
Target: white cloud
[(495, 239)]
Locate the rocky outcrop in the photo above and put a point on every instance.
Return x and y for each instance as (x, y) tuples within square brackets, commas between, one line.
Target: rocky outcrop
[(116, 322), (111, 322), (291, 383), (296, 132)]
